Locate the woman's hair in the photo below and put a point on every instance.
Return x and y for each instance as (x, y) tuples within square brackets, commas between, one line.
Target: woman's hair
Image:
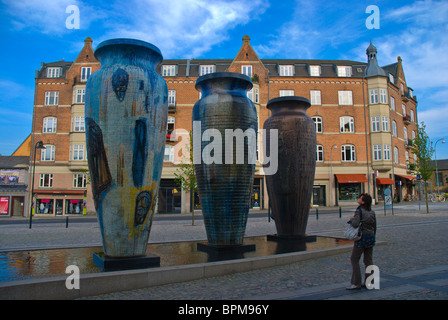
[(367, 199)]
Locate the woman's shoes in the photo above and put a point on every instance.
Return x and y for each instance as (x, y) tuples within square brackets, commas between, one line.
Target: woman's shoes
[(353, 287)]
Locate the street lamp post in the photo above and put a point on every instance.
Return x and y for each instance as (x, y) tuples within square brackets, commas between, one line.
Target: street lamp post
[(435, 157), (331, 173), (39, 145)]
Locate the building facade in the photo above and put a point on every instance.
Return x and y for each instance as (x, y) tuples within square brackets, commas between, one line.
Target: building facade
[(365, 117)]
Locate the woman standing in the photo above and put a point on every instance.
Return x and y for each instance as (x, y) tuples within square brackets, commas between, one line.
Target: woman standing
[(366, 217)]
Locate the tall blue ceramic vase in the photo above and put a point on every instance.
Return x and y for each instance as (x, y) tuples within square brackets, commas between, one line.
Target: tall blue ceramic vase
[(224, 181), (126, 113)]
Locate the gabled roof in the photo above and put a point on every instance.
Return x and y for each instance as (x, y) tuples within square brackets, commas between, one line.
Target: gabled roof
[(14, 162)]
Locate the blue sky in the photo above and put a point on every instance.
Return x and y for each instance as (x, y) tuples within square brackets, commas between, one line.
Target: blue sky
[(34, 31)]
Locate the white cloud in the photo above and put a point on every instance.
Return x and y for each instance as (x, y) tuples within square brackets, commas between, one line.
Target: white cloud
[(182, 28)]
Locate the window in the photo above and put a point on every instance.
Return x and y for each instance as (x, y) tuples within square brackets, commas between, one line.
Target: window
[(79, 124), (348, 153), (383, 96), (315, 71), (347, 124), (412, 115), (207, 69), (54, 72), (345, 98), (376, 124), (392, 103), (171, 97), (391, 78), (394, 128), (286, 71), (413, 135), (403, 110), (79, 180), (169, 154), (395, 154), (377, 152), (405, 134), (51, 98), (319, 153), (85, 73), (315, 97), (78, 152), (411, 93), (168, 71), (374, 96), (385, 123), (80, 95), (47, 154), (46, 180), (344, 71), (50, 125), (402, 89), (170, 126), (318, 124), (386, 150), (247, 70), (285, 93), (257, 95)]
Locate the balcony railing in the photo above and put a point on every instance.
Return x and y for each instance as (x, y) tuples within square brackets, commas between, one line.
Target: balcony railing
[(408, 143), (172, 108), (407, 119)]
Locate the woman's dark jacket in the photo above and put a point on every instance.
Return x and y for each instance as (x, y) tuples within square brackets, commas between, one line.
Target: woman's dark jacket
[(367, 219)]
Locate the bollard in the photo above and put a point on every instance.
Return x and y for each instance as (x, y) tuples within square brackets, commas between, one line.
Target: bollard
[(317, 213), (66, 222), (340, 212)]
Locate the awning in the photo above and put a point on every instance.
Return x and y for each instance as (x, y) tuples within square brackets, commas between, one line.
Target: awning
[(58, 192), (406, 177), (351, 178), (384, 181)]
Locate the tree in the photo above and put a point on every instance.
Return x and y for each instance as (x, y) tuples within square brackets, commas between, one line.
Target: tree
[(185, 175), (422, 147)]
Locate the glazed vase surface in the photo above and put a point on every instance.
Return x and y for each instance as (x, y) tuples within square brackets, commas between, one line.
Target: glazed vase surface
[(126, 113), (225, 179), (290, 188)]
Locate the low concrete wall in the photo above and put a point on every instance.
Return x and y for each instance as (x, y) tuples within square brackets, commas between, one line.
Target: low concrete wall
[(108, 282)]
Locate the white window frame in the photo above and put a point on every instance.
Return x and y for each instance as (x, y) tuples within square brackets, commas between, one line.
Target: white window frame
[(171, 97), (345, 97), (383, 96), (318, 124), (405, 135), (50, 125), (394, 128), (47, 154), (392, 103), (391, 78), (78, 153), (374, 96), (319, 153), (412, 115), (395, 154), (347, 122), (286, 71), (285, 93), (348, 150), (54, 72), (403, 109), (206, 69), (376, 124), (85, 73), (256, 95), (79, 181), (377, 152), (46, 180), (79, 95), (315, 71), (344, 71), (385, 123), (79, 124), (168, 156), (51, 98), (386, 151), (315, 97), (168, 70), (247, 70)]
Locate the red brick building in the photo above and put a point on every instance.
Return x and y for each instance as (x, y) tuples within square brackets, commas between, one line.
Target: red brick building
[(365, 116)]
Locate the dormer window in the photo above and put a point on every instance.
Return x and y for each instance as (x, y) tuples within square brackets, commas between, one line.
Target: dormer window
[(344, 71), (286, 71), (206, 69), (54, 72), (168, 71), (315, 71), (391, 78)]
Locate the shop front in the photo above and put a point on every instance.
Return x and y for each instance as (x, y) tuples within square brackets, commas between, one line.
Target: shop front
[(60, 202), (349, 187), (381, 185)]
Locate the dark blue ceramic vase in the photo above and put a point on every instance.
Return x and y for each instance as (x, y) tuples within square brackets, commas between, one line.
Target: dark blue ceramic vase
[(224, 170), (126, 113)]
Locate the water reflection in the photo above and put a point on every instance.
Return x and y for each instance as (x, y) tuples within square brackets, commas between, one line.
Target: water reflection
[(20, 265)]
